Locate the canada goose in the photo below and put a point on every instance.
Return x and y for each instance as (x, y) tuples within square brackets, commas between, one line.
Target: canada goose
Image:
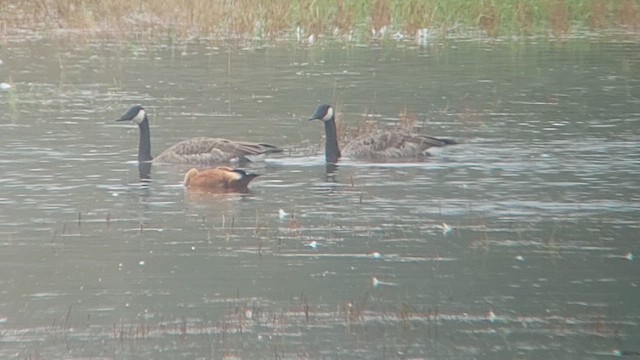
[(220, 178), (202, 151), (384, 145)]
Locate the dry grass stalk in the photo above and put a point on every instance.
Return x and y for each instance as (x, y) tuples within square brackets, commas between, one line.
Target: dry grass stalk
[(314, 18), (629, 14), (380, 16), (270, 20), (203, 16), (407, 120), (341, 127), (558, 13), (598, 14), (352, 313), (242, 18), (525, 16), (489, 19), (368, 125), (344, 18), (471, 116), (364, 127), (417, 15), (275, 17)]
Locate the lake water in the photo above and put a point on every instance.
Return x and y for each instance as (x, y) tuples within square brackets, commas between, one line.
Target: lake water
[(517, 243)]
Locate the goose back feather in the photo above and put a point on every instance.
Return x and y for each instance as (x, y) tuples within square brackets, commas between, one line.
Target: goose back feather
[(205, 151), (392, 145)]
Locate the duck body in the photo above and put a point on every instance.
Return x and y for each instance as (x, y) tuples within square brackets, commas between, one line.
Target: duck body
[(200, 151), (380, 146), (219, 178)]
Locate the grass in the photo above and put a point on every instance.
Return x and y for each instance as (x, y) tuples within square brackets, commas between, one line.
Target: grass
[(368, 125), (309, 19)]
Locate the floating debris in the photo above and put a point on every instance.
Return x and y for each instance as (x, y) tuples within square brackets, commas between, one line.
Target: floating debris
[(446, 229), (520, 258), (423, 36), (282, 214), (313, 244), (5, 86), (299, 33), (491, 316), (378, 283), (141, 262), (628, 256), (376, 255)]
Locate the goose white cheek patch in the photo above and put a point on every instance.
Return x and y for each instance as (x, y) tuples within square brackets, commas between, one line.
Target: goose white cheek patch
[(328, 115), (139, 117)]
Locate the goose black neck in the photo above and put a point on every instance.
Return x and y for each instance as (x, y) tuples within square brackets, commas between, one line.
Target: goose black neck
[(144, 145), (144, 171), (331, 148)]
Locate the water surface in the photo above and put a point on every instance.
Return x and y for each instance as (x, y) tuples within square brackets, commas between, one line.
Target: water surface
[(519, 242)]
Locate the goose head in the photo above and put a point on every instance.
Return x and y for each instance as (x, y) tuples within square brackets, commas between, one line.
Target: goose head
[(136, 114), (323, 112)]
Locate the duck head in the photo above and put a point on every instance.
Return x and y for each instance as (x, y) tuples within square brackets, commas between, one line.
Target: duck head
[(136, 113), (323, 112)]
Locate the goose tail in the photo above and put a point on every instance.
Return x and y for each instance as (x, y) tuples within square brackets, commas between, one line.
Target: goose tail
[(446, 141), (434, 141), (270, 149), (244, 180)]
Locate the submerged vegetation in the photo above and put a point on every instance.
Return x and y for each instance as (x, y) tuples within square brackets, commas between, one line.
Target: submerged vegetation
[(309, 19)]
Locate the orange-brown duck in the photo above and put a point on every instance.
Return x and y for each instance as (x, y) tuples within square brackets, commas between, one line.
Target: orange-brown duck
[(219, 178)]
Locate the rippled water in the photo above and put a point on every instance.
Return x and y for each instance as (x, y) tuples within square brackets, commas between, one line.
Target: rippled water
[(518, 243)]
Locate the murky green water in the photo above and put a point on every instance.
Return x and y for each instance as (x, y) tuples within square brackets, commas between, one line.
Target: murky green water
[(541, 198)]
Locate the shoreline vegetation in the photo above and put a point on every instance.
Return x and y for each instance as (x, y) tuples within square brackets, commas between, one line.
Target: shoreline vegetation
[(309, 20)]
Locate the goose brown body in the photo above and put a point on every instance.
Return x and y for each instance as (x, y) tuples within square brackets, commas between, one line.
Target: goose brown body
[(380, 146), (392, 145), (200, 151), (220, 178), (205, 151)]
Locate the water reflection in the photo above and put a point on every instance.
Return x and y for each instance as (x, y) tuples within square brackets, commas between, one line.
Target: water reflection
[(203, 195), (331, 169), (144, 171)]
